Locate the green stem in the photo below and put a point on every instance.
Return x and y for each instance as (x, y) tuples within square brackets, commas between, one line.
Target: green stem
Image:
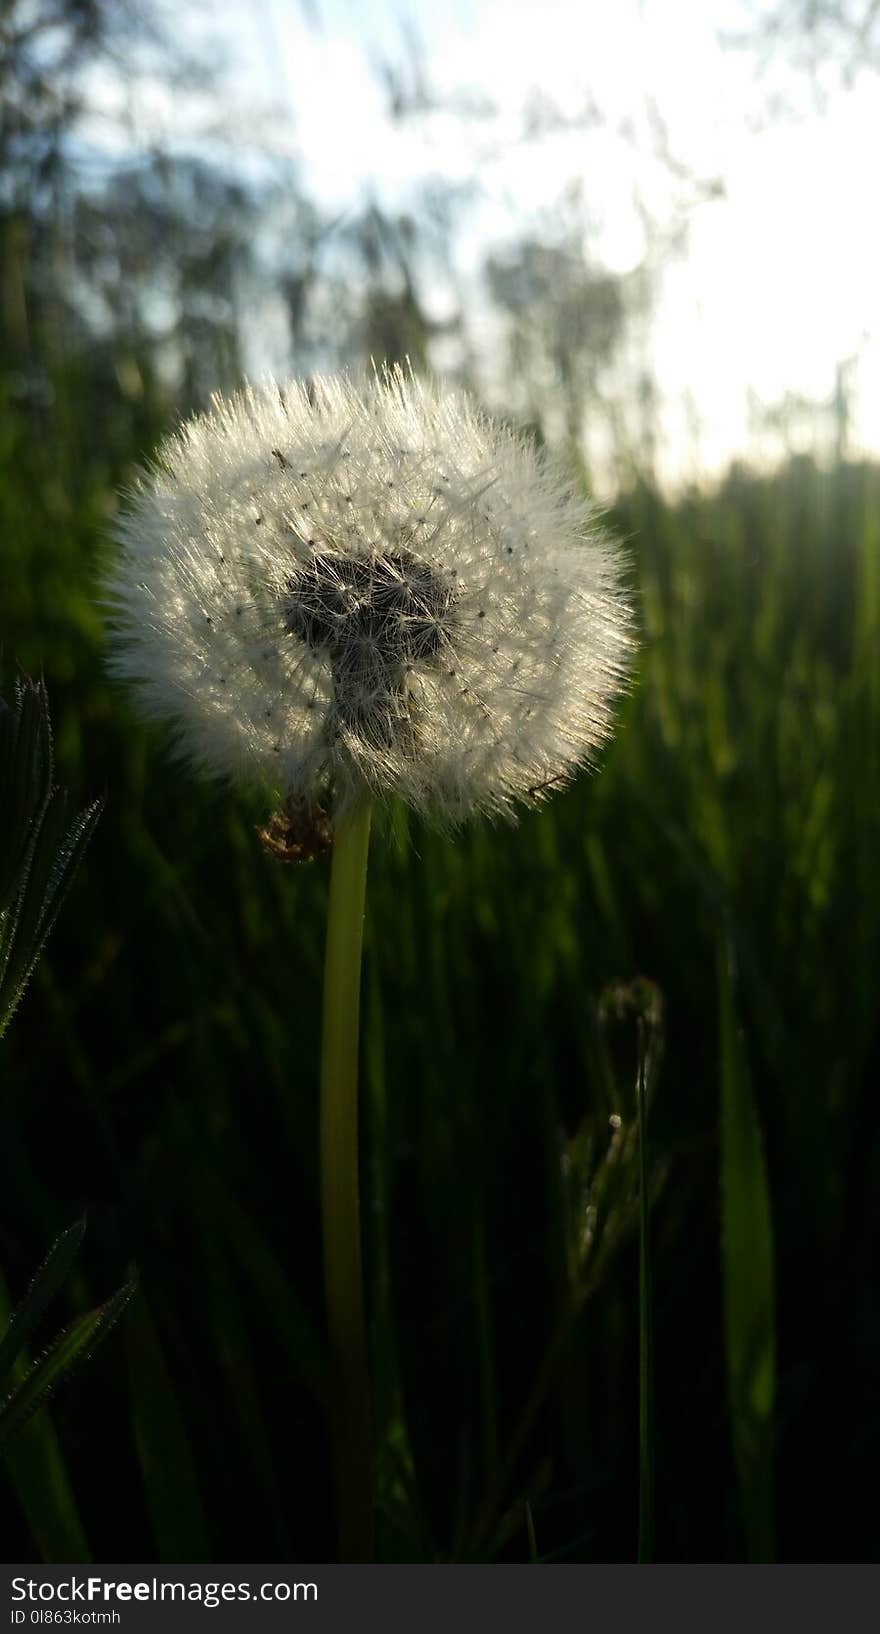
[(340, 1208)]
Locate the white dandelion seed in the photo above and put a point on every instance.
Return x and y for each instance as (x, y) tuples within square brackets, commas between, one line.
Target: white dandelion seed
[(360, 588)]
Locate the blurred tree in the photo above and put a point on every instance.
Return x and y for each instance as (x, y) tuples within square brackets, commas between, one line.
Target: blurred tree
[(46, 44), (162, 256), (395, 255), (70, 245), (565, 322), (798, 424), (576, 359), (828, 42)]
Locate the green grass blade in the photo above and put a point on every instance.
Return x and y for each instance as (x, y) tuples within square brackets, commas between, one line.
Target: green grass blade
[(235, 1356), (38, 1475), (45, 1284), (646, 1342), (272, 1284), (167, 1466), (747, 1268), (531, 1535)]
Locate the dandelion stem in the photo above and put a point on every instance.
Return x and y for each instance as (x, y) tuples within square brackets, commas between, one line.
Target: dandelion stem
[(343, 1276)]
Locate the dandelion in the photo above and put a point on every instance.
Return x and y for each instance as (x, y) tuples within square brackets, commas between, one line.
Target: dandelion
[(357, 590), (347, 591)]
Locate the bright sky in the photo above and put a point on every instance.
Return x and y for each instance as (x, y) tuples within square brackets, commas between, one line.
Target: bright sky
[(780, 279)]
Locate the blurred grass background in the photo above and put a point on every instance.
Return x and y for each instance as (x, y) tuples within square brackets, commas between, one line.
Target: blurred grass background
[(162, 1071)]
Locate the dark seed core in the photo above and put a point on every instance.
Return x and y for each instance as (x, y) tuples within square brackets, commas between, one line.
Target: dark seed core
[(392, 605), (372, 618)]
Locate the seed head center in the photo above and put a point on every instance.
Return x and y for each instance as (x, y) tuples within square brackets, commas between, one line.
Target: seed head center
[(371, 616)]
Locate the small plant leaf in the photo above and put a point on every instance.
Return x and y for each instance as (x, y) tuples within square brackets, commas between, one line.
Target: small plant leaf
[(73, 1346), (40, 850), (44, 1286), (25, 778), (38, 1475), (46, 877)]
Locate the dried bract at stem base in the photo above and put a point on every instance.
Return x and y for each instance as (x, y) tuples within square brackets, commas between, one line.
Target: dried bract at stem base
[(297, 832)]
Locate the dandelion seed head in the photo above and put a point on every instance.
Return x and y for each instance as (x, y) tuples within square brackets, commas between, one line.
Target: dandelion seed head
[(366, 586)]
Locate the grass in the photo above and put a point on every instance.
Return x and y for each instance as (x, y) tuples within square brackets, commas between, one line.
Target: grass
[(162, 1073)]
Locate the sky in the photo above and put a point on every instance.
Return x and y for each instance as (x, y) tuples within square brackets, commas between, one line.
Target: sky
[(779, 282)]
